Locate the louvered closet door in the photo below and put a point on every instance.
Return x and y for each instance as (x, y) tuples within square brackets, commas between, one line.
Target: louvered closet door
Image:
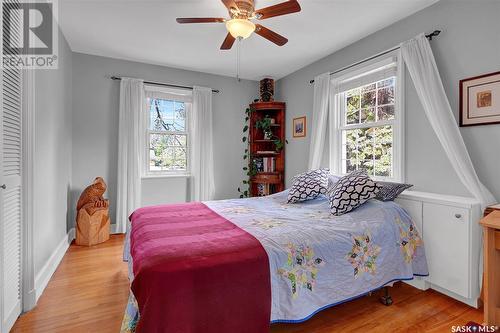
[(10, 189), (10, 195)]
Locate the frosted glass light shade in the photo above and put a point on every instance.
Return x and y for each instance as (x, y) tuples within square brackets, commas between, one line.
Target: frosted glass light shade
[(240, 28)]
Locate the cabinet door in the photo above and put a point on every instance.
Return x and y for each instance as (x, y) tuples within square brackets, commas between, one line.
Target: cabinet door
[(447, 247)]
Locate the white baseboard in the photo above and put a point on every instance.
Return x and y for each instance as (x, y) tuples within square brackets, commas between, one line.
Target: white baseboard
[(418, 282), (43, 277), (422, 284), (29, 301), (469, 301)]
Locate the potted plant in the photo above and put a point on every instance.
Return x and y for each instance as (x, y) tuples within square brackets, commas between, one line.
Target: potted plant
[(265, 124)]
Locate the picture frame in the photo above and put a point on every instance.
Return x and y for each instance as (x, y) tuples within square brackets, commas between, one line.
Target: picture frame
[(480, 100), (299, 127)]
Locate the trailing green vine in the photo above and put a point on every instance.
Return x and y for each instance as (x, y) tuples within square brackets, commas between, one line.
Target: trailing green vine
[(248, 168)]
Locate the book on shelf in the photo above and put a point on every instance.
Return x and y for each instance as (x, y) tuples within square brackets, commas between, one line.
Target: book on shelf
[(269, 164), (265, 164)]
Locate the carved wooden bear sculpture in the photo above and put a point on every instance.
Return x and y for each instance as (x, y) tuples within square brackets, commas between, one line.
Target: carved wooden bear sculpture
[(92, 222)]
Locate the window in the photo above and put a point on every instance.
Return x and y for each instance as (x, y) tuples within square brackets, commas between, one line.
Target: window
[(167, 132), (369, 124)]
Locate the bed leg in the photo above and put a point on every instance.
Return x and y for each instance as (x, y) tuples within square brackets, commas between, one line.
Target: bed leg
[(386, 299)]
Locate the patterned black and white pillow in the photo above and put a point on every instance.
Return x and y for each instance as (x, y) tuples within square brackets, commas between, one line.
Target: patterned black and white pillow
[(308, 185), (332, 179), (389, 191), (350, 192)]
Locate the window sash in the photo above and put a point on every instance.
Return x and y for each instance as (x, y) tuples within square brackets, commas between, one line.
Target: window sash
[(368, 125), (168, 132), (155, 93), (167, 171), (338, 123), (343, 101), (372, 144)]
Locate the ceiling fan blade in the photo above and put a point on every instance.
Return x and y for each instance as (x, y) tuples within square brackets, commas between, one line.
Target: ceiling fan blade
[(230, 4), (228, 42), (200, 20), (270, 35), (283, 8)]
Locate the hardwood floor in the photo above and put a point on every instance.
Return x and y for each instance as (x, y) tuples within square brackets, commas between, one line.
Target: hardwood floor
[(89, 291)]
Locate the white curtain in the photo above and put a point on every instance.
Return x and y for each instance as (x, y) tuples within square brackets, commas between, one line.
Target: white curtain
[(202, 161), (334, 123), (417, 55), (130, 150), (319, 120)]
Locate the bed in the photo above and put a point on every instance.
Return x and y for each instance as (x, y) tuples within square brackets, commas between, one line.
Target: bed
[(315, 260)]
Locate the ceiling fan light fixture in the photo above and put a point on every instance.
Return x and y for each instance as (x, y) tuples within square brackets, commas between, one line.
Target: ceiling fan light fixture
[(240, 28)]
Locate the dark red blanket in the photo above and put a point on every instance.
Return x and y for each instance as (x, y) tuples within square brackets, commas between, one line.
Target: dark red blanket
[(197, 272)]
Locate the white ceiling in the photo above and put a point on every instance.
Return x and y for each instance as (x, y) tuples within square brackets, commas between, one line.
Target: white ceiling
[(146, 31)]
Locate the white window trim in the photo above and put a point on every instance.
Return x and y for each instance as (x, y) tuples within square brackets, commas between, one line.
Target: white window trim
[(169, 94), (336, 113)]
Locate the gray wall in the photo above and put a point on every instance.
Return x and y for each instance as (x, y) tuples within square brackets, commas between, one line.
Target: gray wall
[(95, 126), (52, 155), (468, 46)]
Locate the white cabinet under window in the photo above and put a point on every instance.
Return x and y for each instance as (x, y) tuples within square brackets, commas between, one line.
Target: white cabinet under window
[(447, 237), (451, 234)]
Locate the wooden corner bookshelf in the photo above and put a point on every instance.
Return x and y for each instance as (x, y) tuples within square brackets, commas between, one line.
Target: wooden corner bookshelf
[(266, 155)]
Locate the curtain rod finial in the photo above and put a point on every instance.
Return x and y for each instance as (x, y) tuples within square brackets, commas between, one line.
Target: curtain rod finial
[(435, 33)]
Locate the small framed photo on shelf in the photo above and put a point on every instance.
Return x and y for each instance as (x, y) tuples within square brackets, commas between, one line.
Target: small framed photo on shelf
[(299, 127), (480, 100)]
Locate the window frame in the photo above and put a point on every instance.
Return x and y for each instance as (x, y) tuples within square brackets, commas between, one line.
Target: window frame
[(184, 96), (338, 115)]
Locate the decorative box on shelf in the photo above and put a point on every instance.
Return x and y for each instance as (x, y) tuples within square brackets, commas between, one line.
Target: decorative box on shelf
[(267, 147)]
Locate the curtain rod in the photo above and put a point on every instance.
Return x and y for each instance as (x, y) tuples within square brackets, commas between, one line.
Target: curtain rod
[(117, 78), (435, 33)]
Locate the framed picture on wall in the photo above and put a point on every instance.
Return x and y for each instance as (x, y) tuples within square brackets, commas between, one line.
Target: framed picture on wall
[(480, 100), (299, 127)]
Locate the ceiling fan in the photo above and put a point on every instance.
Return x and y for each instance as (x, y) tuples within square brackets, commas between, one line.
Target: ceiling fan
[(240, 25)]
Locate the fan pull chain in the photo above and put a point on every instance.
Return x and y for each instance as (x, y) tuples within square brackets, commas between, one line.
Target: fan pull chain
[(238, 59)]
